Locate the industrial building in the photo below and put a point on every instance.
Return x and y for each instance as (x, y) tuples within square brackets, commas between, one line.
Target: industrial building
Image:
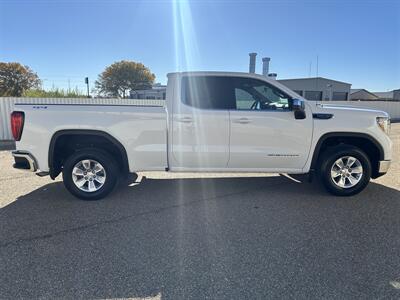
[(319, 88), (389, 96), (364, 95), (312, 88), (157, 91)]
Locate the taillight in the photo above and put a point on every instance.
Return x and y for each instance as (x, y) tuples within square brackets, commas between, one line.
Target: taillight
[(17, 124)]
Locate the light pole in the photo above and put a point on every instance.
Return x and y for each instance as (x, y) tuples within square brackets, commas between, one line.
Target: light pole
[(87, 84)]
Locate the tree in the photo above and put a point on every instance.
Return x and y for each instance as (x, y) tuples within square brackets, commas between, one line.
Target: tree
[(15, 79), (123, 76)]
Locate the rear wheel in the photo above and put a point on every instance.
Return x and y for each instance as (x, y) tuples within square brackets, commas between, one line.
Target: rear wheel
[(90, 174), (345, 170)]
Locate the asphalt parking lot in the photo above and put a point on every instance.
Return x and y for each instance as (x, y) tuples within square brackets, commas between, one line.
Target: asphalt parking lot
[(178, 237)]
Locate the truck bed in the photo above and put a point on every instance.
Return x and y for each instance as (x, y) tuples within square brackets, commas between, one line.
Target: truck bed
[(140, 129)]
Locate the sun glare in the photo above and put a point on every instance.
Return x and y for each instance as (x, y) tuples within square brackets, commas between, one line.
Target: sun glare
[(186, 51)]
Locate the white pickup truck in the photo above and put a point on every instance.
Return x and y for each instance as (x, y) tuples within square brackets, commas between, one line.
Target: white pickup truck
[(212, 122)]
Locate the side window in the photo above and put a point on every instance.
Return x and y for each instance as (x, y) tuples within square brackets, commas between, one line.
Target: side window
[(244, 100), (253, 94), (208, 92)]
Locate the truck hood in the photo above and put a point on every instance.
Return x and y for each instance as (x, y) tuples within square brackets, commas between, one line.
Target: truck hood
[(327, 108)]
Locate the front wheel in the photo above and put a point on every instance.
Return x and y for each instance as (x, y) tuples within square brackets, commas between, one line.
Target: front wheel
[(345, 170), (90, 174)]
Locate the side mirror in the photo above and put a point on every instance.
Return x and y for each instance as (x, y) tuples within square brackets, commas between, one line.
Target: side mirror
[(298, 108)]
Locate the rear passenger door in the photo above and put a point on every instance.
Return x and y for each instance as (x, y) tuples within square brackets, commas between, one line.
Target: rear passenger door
[(200, 129)]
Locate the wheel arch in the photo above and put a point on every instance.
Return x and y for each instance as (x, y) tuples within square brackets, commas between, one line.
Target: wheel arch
[(365, 142), (55, 169)]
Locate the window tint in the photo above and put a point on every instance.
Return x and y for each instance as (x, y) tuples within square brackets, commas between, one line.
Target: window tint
[(258, 95), (208, 92), (244, 100)]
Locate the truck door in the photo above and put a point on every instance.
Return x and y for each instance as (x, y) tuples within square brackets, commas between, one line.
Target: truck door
[(264, 133), (200, 125)]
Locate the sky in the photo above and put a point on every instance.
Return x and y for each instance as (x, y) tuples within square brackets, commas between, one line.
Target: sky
[(64, 41)]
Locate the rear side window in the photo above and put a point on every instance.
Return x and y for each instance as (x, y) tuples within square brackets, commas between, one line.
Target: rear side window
[(208, 92)]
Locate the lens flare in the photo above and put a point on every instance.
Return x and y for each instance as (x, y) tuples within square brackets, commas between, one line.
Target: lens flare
[(186, 50)]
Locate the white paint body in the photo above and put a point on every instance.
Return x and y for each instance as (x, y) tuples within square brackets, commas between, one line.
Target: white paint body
[(184, 138)]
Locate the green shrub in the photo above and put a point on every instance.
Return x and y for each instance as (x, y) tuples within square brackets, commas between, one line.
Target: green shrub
[(54, 93)]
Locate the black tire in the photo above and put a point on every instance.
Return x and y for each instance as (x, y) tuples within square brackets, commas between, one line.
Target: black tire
[(107, 162), (328, 159)]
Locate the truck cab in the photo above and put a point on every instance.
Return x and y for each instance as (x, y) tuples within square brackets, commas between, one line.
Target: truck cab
[(242, 123)]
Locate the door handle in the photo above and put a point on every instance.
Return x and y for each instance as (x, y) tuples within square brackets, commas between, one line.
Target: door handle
[(185, 120), (242, 121)]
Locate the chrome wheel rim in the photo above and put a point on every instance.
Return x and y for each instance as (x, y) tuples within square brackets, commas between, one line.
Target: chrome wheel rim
[(88, 175), (346, 172)]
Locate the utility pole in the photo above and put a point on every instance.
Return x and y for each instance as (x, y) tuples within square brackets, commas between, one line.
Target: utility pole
[(316, 79), (87, 84)]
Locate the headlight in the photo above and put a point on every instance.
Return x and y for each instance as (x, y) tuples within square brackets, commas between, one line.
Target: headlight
[(384, 123)]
